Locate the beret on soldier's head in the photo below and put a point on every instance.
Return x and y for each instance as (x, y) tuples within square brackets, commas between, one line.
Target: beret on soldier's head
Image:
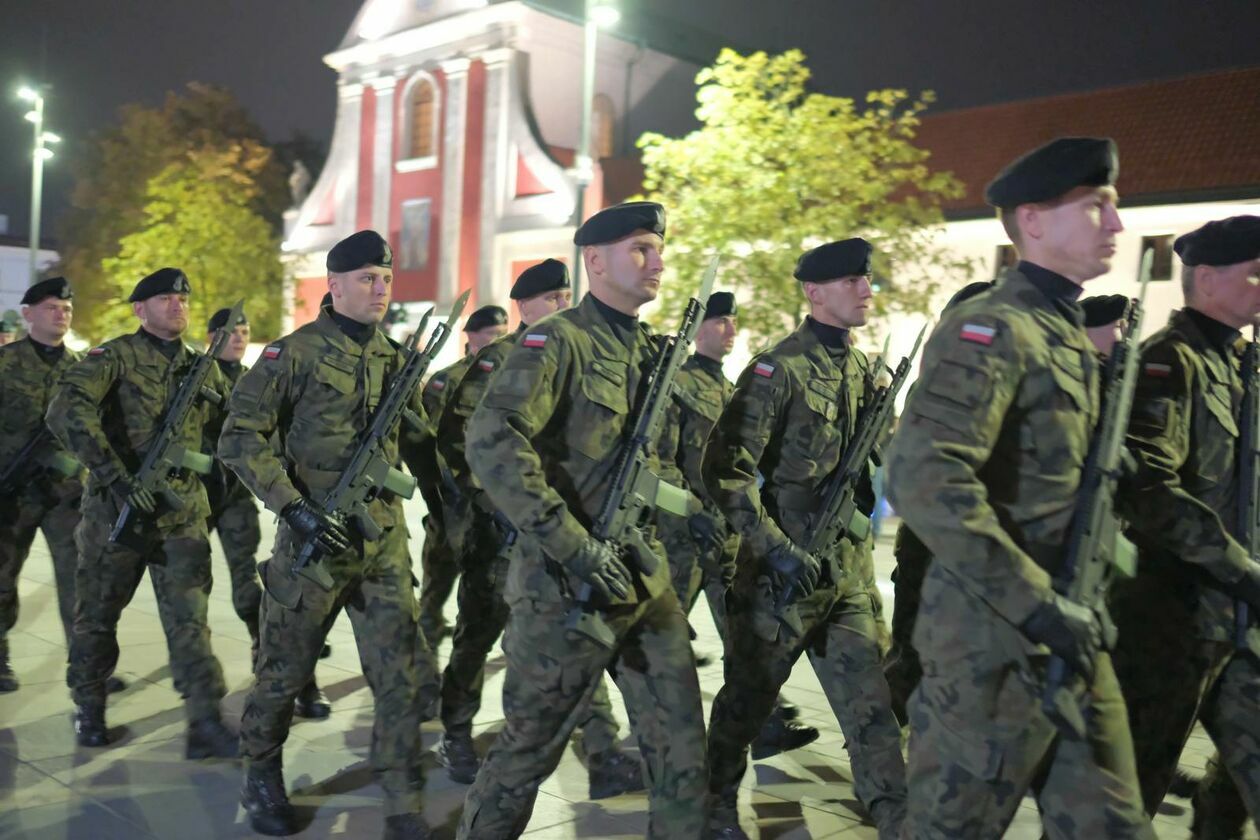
[(367, 247), (164, 281), (54, 287), (1058, 167), (486, 316), (720, 305), (967, 292), (219, 320), (1223, 242), (1101, 310), (547, 276), (846, 258), (621, 220)]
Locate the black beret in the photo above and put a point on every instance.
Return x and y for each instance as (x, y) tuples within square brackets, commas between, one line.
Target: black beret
[(219, 319), (547, 276), (1101, 310), (164, 281), (55, 287), (367, 247), (720, 305), (1223, 242), (967, 292), (486, 316), (621, 220), (1051, 170), (846, 258)]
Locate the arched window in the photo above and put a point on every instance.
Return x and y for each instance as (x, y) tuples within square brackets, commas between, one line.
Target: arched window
[(603, 127), (423, 120)]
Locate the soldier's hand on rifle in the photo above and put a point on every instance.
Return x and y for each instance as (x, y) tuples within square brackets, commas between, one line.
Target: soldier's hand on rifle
[(597, 563), (1248, 587), (795, 568), (128, 490), (311, 523), (707, 533), (1072, 631)]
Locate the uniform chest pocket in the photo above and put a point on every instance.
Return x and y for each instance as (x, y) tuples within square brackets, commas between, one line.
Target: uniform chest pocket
[(1068, 374), (599, 418), (823, 399), (705, 404), (146, 382), (1220, 408), (334, 378)]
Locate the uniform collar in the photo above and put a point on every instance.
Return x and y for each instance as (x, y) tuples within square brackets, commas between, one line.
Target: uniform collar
[(833, 338), (1221, 336), (1059, 293), (356, 331), (168, 347), (708, 364), (48, 352)]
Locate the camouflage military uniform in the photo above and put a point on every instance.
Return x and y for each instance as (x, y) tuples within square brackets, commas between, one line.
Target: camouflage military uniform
[(483, 565), (542, 444), (106, 410), (43, 497), (439, 556), (793, 410), (902, 668), (1176, 658), (318, 388), (985, 469)]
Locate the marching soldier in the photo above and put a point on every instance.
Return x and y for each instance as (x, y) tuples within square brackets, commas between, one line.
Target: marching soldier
[(443, 540), (106, 410), (315, 390), (540, 290), (542, 444), (794, 408), (985, 469), (1176, 658)]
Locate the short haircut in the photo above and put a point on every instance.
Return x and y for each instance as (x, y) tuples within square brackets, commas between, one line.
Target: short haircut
[(1187, 282), (1010, 224)]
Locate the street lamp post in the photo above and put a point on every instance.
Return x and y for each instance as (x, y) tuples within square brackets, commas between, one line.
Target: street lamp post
[(599, 13), (39, 153)]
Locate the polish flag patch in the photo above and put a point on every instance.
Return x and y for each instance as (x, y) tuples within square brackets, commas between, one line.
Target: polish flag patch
[(1157, 370), (486, 365), (437, 384), (96, 351), (763, 369), (534, 340), (272, 351), (977, 334)]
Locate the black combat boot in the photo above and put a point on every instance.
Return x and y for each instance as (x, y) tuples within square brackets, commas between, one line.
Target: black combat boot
[(325, 651), (89, 725), (210, 738), (724, 819), (113, 685), (786, 710), (264, 798), (457, 755), (612, 773), (779, 735), (311, 703), (406, 827), (8, 680)]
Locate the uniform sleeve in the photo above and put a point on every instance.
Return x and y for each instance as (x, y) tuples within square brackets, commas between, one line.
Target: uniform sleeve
[(452, 426), (259, 404), (415, 443), (735, 449), (74, 413), (949, 429), (518, 404), (1160, 510)]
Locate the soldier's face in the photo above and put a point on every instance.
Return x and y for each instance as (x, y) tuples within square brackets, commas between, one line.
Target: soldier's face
[(480, 338), (627, 273), (236, 345), (1075, 235), (716, 336), (49, 320), (536, 308), (845, 302), (1230, 293), (362, 294), (166, 316)]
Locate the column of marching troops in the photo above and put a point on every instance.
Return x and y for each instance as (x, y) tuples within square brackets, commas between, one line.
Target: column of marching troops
[(515, 453)]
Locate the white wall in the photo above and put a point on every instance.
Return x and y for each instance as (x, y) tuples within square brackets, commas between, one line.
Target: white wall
[(14, 273)]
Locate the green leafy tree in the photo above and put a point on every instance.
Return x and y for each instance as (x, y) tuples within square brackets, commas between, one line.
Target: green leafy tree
[(775, 169)]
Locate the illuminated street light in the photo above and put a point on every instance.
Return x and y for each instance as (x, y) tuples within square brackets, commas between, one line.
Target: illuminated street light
[(39, 153), (26, 93)]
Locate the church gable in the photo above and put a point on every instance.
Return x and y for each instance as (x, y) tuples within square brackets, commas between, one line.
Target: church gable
[(379, 18)]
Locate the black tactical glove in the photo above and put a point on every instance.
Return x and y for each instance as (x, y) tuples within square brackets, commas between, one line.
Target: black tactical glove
[(710, 537), (128, 490), (597, 563), (795, 568), (311, 523), (1071, 631), (1248, 587)]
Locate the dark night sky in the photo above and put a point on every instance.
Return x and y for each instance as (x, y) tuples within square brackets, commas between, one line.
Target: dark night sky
[(99, 56)]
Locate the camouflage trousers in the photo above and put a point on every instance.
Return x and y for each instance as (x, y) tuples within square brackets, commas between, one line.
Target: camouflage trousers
[(841, 641), (106, 579), (483, 614), (1219, 811), (439, 568), (902, 668), (553, 673), (53, 509), (239, 533), (372, 583)]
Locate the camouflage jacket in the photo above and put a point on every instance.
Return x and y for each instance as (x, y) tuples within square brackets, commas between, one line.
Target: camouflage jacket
[(26, 385), (701, 391), (986, 463), (315, 390), (1184, 434), (793, 412), (544, 440), (109, 407), (435, 479), (222, 485)]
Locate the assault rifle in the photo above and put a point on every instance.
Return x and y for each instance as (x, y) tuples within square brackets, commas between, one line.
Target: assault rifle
[(1245, 526), (1095, 545), (368, 474), (635, 491), (16, 469), (165, 456), (838, 516)]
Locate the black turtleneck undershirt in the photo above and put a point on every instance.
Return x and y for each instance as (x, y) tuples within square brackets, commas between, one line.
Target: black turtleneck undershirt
[(709, 364), (356, 331), (625, 327), (1061, 292), (834, 339), (168, 347), (50, 354), (228, 368), (1222, 336)]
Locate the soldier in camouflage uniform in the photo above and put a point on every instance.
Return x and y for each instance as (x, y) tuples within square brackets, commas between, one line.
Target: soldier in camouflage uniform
[(542, 444), (1176, 658), (316, 389), (794, 409), (985, 469), (106, 410), (443, 539)]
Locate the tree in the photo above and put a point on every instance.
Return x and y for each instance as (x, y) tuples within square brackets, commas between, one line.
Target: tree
[(775, 169)]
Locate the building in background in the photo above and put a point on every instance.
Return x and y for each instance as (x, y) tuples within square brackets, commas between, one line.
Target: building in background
[(15, 265)]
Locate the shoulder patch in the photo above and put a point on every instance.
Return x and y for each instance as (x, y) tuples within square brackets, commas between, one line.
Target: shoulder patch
[(977, 334), (486, 365), (438, 382), (1157, 370), (534, 340), (764, 369), (97, 351), (272, 351)]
